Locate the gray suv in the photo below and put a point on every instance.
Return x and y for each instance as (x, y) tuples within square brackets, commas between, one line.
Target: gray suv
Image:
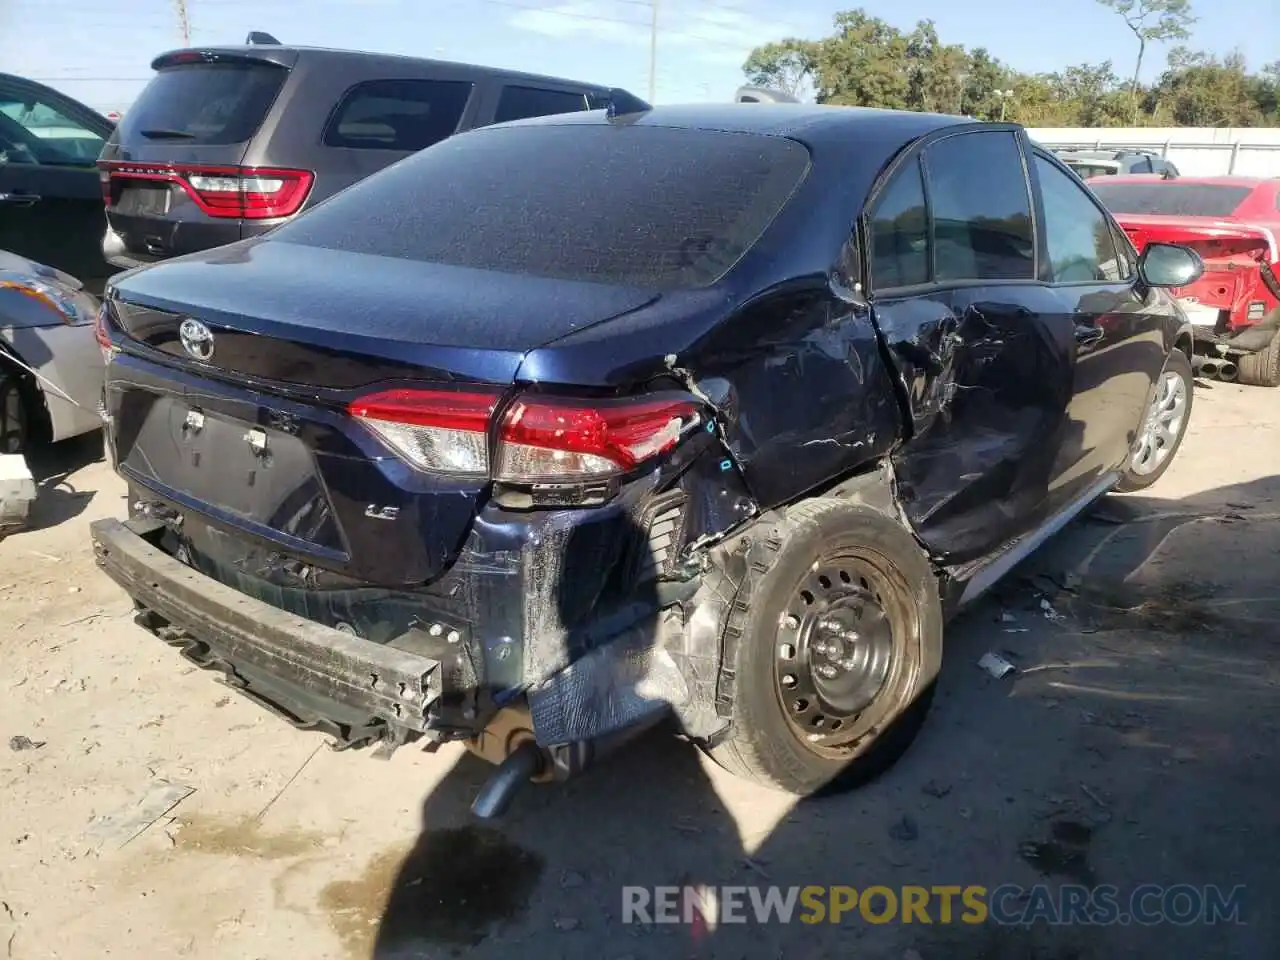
[(1102, 163), (225, 143)]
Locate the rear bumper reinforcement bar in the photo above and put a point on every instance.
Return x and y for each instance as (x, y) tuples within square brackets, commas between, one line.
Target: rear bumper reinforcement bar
[(294, 665)]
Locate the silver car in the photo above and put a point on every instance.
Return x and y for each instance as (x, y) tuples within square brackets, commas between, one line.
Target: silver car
[(51, 366)]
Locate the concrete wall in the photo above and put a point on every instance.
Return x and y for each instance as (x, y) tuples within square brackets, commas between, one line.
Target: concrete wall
[(1203, 151)]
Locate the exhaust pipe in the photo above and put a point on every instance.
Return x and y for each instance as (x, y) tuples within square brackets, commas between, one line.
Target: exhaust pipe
[(528, 763), (1206, 367), (521, 765), (1228, 371)]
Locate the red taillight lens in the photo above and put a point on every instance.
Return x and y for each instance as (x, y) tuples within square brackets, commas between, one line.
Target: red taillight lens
[(441, 431), (100, 332), (549, 440), (256, 194), (541, 440), (249, 193)]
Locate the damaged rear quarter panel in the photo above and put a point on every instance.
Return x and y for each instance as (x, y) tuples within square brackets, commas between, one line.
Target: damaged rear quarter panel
[(805, 397), (801, 394)]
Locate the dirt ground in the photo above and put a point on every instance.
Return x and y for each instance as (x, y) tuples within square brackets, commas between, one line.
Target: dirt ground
[(1135, 744)]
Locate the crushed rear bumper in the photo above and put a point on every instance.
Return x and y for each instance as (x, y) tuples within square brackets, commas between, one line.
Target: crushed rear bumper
[(315, 676)]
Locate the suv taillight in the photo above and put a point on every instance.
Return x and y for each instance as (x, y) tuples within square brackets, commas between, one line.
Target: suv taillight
[(540, 439), (248, 193)]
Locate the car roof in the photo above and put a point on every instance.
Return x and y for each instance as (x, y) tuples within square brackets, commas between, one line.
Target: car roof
[(1223, 181), (291, 54), (816, 125)]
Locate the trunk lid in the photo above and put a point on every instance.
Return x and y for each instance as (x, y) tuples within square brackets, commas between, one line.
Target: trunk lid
[(257, 437), (1233, 255), (187, 132)]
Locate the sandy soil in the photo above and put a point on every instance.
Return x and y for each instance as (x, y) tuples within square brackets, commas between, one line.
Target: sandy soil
[(1136, 744)]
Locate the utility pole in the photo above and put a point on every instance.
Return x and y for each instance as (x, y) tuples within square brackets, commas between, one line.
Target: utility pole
[(1004, 96), (184, 22), (653, 50)]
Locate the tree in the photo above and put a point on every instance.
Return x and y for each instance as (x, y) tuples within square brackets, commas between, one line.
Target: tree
[(1152, 21), (1204, 91), (869, 62), (785, 65)]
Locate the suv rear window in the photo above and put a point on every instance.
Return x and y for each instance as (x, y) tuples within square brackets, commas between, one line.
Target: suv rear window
[(1084, 171), (203, 103), (1171, 199), (645, 206), (518, 103), (404, 115)]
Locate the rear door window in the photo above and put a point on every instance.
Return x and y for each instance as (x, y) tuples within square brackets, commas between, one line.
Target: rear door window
[(517, 103), (215, 104), (403, 115), (654, 207), (981, 207)]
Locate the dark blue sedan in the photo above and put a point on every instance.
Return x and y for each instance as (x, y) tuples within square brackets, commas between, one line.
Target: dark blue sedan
[(561, 428)]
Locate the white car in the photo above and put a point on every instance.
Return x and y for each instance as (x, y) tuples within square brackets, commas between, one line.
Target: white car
[(51, 366)]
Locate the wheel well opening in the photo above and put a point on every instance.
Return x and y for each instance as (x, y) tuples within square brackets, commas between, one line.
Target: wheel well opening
[(40, 429)]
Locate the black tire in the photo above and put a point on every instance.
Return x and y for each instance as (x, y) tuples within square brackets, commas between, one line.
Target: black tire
[(15, 415), (870, 554), (1134, 477), (1261, 369)]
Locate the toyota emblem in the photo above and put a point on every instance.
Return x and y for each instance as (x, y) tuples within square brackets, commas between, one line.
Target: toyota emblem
[(197, 340)]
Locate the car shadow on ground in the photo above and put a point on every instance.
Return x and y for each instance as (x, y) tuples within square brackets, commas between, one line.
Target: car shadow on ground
[(52, 465), (1134, 745)]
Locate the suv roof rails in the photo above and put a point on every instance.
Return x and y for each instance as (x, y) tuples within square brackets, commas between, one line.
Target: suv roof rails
[(1113, 148), (259, 38), (763, 95)]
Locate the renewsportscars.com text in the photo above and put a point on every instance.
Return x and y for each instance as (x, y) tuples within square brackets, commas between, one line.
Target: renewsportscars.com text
[(1008, 904)]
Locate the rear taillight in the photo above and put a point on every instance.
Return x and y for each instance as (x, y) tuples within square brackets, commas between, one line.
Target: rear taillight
[(440, 431), (249, 193), (550, 440), (539, 440), (100, 332)]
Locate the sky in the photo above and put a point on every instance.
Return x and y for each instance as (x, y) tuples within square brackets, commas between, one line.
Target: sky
[(99, 51)]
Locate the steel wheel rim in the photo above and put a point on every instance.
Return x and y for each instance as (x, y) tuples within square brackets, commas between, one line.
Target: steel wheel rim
[(1162, 426), (836, 649)]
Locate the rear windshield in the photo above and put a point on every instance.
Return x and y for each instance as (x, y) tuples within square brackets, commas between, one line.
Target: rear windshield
[(644, 206), (203, 103), (1084, 171), (1171, 199)]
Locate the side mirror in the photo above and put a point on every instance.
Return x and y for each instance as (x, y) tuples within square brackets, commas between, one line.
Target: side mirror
[(1169, 265)]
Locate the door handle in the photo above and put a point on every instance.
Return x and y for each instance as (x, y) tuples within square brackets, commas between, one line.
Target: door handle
[(19, 199), (1087, 336)]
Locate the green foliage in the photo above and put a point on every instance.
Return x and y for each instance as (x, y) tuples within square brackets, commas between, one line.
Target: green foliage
[(869, 62)]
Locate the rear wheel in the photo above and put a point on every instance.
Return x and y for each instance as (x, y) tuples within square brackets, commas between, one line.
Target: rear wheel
[(15, 419), (1261, 369), (1163, 427), (838, 632)]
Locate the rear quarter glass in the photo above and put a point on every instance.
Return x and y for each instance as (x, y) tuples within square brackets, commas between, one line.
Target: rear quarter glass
[(211, 104), (652, 207)]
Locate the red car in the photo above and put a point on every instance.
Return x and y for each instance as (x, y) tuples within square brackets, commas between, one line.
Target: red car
[(1233, 223)]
